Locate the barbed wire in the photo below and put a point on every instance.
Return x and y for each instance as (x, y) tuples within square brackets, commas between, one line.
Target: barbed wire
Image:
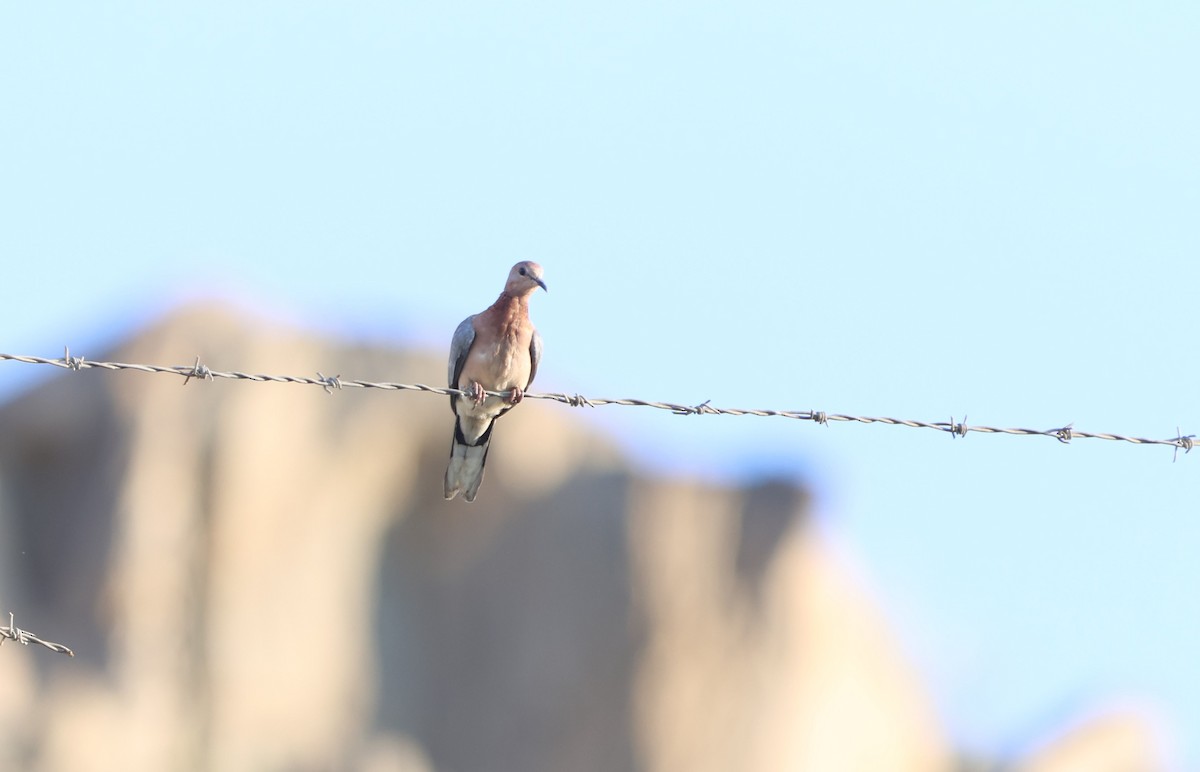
[(1064, 434), (24, 637)]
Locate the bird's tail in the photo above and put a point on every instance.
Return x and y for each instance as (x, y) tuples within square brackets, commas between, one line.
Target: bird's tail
[(465, 471)]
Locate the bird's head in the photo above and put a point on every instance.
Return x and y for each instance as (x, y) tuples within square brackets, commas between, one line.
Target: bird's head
[(524, 278)]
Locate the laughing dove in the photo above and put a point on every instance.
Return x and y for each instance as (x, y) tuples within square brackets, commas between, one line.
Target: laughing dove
[(495, 350)]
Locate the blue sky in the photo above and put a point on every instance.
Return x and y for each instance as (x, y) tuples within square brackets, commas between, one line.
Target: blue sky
[(922, 211)]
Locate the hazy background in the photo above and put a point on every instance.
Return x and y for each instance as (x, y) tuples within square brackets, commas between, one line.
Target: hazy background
[(922, 212)]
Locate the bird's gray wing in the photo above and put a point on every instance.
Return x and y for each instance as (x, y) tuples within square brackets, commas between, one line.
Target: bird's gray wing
[(535, 356), (460, 345)]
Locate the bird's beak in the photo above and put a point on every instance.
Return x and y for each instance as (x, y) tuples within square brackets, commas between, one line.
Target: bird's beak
[(541, 284)]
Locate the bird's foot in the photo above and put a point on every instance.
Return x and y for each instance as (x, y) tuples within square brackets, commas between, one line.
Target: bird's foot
[(516, 396), (476, 393)]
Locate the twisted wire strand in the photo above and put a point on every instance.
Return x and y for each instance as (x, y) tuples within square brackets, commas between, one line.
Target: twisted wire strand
[(24, 637), (1063, 434)]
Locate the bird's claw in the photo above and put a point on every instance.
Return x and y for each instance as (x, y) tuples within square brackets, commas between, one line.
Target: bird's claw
[(476, 393), (516, 396)]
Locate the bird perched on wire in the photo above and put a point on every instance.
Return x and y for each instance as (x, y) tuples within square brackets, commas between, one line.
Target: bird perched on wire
[(497, 349)]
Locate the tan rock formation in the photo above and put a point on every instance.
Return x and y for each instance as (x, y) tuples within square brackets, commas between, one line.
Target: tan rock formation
[(265, 577), (1120, 740)]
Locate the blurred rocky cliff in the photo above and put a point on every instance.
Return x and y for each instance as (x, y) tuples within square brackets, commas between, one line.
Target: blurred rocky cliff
[(265, 577)]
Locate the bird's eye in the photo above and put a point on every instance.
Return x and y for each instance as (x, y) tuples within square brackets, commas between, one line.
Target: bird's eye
[(522, 271)]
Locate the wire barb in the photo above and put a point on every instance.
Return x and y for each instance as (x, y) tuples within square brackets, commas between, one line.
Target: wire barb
[(198, 371), (694, 409), (578, 400), (1182, 441), (73, 363), (331, 383), (24, 637), (1064, 434)]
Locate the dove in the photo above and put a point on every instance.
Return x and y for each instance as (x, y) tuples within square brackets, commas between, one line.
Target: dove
[(497, 349)]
